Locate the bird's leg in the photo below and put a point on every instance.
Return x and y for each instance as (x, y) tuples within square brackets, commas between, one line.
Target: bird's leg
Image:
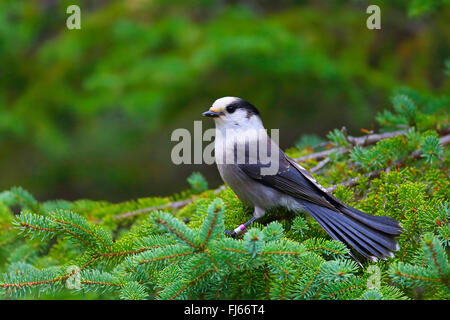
[(240, 229)]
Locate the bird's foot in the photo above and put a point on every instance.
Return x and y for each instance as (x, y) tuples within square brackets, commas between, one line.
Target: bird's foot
[(231, 233), (236, 231)]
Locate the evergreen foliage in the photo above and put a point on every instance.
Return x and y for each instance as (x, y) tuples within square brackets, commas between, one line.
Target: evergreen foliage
[(197, 182), (175, 248)]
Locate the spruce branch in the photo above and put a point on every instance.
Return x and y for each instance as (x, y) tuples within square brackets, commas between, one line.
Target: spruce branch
[(98, 242), (173, 205), (190, 283), (328, 247), (433, 272), (160, 255), (444, 141), (342, 289), (133, 291), (99, 281), (175, 227), (213, 224), (68, 223), (353, 141), (21, 197), (20, 281)]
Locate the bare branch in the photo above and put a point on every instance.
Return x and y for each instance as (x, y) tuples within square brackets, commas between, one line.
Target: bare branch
[(354, 141), (374, 138), (320, 165), (321, 154), (352, 182), (174, 205)]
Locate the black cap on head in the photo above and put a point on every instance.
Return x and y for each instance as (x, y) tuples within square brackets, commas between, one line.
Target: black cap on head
[(243, 104)]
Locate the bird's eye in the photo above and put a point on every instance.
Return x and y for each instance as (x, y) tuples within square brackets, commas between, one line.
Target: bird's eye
[(231, 109)]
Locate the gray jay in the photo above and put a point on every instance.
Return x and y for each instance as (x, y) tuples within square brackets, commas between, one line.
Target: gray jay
[(239, 130)]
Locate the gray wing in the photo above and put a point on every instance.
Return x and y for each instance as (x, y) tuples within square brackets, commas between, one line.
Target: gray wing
[(372, 236), (292, 179)]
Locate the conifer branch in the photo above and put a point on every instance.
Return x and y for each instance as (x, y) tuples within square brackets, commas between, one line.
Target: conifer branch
[(30, 226), (172, 256), (353, 141), (345, 289), (325, 249), (190, 283), (176, 227), (60, 221), (445, 140), (310, 282), (173, 205), (322, 154), (352, 182), (92, 282), (320, 165), (283, 252), (29, 284), (83, 229), (416, 277), (127, 253), (19, 285), (361, 142), (210, 228), (234, 250)]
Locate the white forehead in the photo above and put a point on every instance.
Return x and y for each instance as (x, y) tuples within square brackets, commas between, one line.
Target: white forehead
[(222, 103)]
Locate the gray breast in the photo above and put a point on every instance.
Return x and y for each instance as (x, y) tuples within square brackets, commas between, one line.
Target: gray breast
[(252, 192)]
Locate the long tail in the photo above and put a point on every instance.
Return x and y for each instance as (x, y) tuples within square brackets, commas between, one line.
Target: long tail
[(372, 236)]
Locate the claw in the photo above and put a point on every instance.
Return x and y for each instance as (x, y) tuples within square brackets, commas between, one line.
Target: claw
[(230, 233)]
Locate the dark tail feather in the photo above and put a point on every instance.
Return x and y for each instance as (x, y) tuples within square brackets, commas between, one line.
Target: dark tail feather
[(381, 223), (372, 236)]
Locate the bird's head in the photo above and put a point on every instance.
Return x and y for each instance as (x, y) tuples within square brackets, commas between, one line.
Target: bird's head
[(234, 113)]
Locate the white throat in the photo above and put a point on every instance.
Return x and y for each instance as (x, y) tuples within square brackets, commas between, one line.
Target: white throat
[(230, 136)]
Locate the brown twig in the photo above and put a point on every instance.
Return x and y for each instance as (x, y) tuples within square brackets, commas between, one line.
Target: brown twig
[(445, 140), (374, 138), (354, 141), (320, 165), (352, 182), (321, 154), (173, 205)]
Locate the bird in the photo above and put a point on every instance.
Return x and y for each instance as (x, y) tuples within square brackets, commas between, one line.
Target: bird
[(289, 185)]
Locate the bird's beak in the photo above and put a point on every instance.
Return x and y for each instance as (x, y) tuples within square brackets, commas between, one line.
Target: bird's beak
[(212, 114)]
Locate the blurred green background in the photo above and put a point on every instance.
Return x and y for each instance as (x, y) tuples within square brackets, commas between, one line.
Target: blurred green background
[(88, 113)]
